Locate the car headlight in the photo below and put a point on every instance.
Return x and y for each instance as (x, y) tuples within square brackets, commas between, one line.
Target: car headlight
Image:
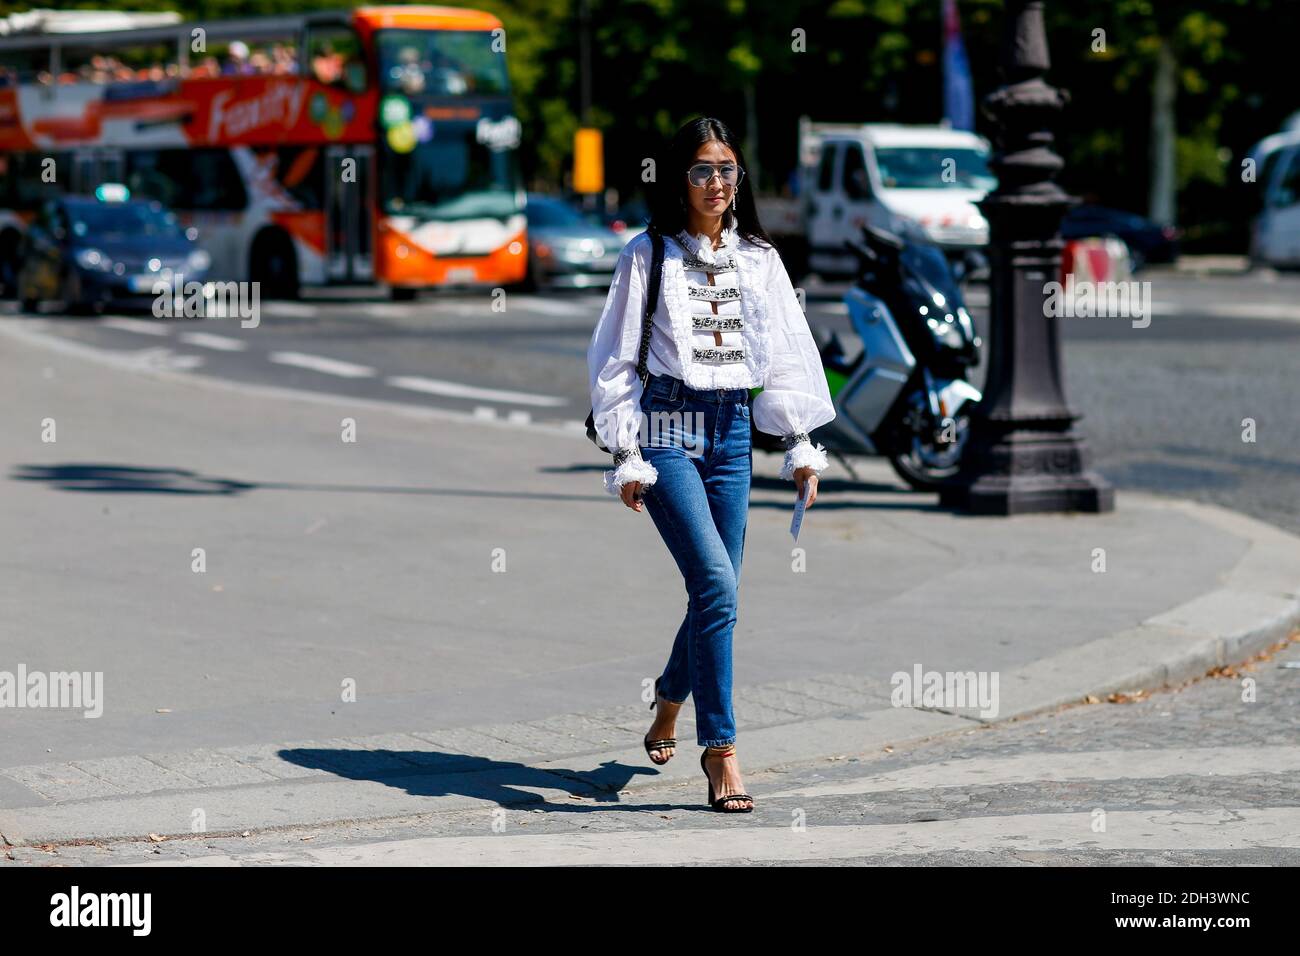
[(198, 260), (93, 259)]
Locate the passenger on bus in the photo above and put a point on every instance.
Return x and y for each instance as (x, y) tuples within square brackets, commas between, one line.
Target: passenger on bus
[(237, 60), (327, 65)]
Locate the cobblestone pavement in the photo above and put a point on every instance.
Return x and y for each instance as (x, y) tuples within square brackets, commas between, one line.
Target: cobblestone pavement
[(1194, 775)]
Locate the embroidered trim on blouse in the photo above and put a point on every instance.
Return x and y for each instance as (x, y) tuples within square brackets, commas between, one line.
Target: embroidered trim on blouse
[(718, 323), (694, 263), (714, 293), (717, 355), (752, 266)]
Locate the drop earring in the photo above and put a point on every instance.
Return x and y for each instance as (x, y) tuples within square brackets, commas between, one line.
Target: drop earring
[(733, 200)]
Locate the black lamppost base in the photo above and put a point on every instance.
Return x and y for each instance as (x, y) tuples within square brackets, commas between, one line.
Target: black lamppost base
[(1025, 472), (1087, 493)]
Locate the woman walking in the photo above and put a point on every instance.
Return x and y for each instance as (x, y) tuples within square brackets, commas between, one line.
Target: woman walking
[(676, 412)]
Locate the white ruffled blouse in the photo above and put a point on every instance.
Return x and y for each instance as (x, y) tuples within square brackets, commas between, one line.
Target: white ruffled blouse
[(765, 341)]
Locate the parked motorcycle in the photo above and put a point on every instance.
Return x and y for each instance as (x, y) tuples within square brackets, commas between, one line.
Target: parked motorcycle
[(904, 394)]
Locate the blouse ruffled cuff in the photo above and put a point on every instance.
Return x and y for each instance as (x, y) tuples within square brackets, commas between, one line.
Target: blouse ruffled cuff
[(800, 453), (630, 467)]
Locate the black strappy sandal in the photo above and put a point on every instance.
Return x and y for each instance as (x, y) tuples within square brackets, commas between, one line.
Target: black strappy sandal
[(720, 804), (654, 746)]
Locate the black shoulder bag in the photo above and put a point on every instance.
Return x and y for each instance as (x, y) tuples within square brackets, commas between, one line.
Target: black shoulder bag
[(647, 321)]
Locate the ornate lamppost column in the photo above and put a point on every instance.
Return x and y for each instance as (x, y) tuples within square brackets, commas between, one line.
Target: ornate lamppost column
[(1023, 454)]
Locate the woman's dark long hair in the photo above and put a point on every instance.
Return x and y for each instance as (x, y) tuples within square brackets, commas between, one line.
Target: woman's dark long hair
[(667, 196)]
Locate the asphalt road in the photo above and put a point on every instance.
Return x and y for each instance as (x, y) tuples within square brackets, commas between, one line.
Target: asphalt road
[(1201, 769), (1163, 406)]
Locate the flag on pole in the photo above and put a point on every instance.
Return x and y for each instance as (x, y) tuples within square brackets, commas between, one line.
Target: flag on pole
[(958, 91)]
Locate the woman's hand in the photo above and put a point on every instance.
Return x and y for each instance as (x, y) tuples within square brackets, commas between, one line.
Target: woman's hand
[(631, 495), (802, 476)]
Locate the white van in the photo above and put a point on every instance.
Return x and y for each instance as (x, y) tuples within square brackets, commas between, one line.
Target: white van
[(894, 177), (1275, 233)]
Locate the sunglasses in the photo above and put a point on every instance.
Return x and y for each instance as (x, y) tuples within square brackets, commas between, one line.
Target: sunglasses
[(700, 174)]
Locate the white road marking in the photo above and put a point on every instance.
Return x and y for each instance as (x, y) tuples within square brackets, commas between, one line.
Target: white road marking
[(387, 310), (302, 310), (435, 386), (222, 343), (325, 366), (518, 417), (1091, 765), (1277, 311), (552, 306), (136, 325), (1222, 829), (37, 332), (1255, 310), (164, 359)]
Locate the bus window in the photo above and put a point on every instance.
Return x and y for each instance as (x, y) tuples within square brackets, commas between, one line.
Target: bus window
[(27, 187), (215, 182), (441, 63), (161, 174), (26, 66), (190, 179), (118, 64), (267, 55), (334, 58), (449, 177), (301, 171)]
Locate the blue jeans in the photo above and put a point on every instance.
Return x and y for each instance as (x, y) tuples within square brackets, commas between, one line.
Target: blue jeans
[(699, 442)]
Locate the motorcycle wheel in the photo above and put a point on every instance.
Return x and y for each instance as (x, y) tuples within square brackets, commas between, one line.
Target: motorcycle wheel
[(926, 468)]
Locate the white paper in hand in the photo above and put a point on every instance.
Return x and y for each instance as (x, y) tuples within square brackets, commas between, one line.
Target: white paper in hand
[(797, 522)]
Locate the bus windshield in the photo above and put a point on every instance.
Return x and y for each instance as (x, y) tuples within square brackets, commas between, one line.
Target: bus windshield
[(450, 176), (926, 167), (441, 63)]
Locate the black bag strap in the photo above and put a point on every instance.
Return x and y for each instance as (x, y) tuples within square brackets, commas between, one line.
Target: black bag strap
[(651, 303)]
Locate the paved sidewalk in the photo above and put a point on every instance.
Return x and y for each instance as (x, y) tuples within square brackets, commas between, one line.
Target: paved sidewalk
[(379, 565)]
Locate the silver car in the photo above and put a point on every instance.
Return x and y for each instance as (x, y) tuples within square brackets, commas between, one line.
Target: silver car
[(565, 248)]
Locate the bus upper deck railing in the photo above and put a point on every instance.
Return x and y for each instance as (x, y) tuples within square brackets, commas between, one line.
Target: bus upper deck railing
[(274, 46)]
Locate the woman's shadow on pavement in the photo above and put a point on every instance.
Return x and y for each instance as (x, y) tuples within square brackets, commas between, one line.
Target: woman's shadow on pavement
[(431, 773)]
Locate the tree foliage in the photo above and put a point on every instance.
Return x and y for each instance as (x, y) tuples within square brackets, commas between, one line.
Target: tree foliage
[(656, 63)]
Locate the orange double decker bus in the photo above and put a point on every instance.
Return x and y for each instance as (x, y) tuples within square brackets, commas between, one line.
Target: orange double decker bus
[(372, 145)]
